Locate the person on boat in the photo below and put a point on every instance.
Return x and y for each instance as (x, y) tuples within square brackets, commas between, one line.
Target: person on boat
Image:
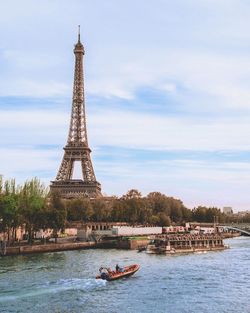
[(109, 271), (105, 273), (119, 269)]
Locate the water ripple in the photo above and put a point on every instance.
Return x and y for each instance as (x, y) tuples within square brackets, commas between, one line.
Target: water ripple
[(65, 282)]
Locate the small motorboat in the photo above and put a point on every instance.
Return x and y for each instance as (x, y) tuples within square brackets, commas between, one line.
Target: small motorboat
[(109, 275)]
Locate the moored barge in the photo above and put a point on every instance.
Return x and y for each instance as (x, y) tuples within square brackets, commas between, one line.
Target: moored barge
[(172, 244)]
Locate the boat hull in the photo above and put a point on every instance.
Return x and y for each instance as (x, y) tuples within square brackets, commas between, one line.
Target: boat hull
[(128, 271), (163, 250)]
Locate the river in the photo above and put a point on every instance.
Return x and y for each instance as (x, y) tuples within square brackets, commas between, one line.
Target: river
[(63, 282)]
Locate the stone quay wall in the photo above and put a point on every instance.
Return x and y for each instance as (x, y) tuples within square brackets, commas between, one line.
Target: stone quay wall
[(52, 247)]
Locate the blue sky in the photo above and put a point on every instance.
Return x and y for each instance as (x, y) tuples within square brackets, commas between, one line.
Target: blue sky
[(167, 94)]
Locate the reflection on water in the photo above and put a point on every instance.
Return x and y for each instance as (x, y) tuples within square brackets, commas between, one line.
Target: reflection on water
[(65, 282)]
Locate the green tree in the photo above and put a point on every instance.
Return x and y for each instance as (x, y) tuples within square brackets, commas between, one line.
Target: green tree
[(186, 214), (154, 220), (9, 215), (119, 210), (79, 209), (207, 215), (102, 211), (56, 214), (163, 219), (1, 184), (32, 205), (132, 194), (159, 202), (135, 206)]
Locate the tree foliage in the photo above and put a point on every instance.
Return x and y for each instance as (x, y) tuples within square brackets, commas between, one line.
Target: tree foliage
[(56, 214), (9, 211), (207, 215), (27, 205), (79, 209), (32, 202)]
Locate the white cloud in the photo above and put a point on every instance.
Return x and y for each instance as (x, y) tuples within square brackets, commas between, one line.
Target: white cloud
[(39, 127), (108, 89), (221, 78), (23, 163), (148, 131), (170, 87), (28, 60), (127, 129), (181, 42), (35, 88)]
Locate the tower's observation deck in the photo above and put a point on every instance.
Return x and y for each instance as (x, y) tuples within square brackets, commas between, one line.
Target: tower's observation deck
[(77, 148)]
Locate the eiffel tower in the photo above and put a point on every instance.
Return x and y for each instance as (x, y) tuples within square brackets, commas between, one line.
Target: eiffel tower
[(77, 148)]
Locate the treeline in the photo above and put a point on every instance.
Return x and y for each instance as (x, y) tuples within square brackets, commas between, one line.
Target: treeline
[(154, 209), (31, 205)]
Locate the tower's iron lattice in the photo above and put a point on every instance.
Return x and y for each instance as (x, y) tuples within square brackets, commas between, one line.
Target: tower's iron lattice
[(77, 148)]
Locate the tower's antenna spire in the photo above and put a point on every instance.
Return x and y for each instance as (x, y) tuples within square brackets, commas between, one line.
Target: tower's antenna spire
[(78, 33)]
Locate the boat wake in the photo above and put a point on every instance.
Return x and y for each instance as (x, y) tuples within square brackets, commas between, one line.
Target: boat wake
[(200, 252), (62, 285)]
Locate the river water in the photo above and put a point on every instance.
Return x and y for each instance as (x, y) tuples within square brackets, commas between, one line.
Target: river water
[(64, 282)]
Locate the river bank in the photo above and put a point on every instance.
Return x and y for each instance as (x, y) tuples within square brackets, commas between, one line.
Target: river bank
[(52, 247), (128, 243), (125, 243)]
